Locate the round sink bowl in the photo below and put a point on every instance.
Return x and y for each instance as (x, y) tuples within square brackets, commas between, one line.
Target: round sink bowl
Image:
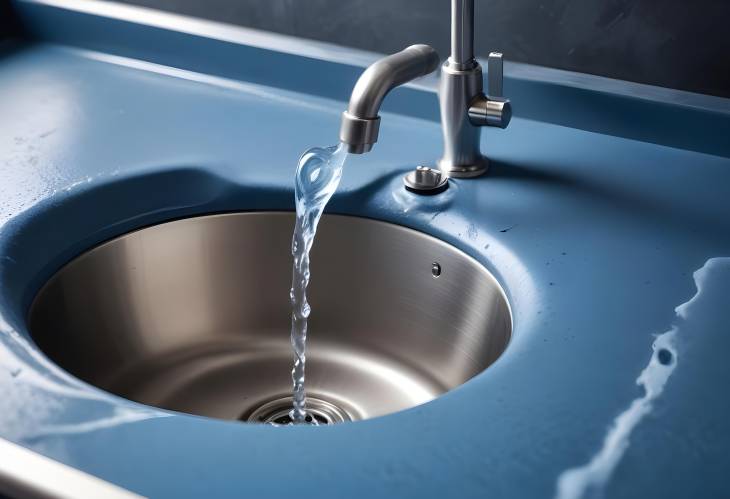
[(193, 315)]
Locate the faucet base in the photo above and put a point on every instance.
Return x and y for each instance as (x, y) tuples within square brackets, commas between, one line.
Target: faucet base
[(464, 171)]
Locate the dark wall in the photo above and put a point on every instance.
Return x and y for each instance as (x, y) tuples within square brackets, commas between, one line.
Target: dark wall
[(9, 25), (683, 44)]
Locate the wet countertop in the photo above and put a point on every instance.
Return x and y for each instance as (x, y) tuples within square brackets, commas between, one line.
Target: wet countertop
[(604, 245)]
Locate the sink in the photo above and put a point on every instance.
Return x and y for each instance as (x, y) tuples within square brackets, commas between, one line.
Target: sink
[(193, 315)]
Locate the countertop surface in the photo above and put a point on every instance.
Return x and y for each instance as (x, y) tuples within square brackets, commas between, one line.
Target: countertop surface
[(609, 250)]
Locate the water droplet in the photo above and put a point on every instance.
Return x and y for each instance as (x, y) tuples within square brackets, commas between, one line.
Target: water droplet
[(435, 269)]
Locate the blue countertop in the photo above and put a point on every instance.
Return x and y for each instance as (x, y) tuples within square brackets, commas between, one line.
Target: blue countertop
[(602, 243)]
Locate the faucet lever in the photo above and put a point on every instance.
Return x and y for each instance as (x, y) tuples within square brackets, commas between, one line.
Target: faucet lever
[(495, 75), (492, 109)]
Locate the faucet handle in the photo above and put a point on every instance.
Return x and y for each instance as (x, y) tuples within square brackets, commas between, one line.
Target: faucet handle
[(495, 74), (492, 109)]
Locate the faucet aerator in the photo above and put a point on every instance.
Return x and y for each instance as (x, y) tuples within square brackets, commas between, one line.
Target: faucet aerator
[(359, 134)]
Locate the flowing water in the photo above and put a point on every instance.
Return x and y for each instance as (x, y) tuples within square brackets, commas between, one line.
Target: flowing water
[(317, 177)]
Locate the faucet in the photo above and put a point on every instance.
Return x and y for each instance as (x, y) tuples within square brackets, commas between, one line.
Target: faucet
[(464, 106), (360, 123)]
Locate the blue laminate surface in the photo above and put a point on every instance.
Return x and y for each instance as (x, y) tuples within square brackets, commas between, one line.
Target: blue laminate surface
[(595, 238)]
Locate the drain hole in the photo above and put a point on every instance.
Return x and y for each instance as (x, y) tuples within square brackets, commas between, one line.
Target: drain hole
[(321, 412), (312, 420)]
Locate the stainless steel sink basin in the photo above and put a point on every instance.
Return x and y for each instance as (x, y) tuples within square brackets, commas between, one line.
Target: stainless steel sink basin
[(193, 315)]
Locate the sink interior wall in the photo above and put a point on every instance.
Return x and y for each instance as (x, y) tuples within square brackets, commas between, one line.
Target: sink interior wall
[(193, 315)]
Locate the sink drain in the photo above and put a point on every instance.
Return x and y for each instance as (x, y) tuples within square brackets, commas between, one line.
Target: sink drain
[(276, 412)]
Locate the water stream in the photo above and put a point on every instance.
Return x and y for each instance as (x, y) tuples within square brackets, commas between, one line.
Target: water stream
[(317, 177)]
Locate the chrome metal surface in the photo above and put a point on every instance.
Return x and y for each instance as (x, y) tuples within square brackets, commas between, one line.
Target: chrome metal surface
[(462, 34), (492, 110), (193, 315), (360, 134), (424, 180), (360, 122), (464, 107), (495, 74), (489, 111), (279, 412), (462, 156)]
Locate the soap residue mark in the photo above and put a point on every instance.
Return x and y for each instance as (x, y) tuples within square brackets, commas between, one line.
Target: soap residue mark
[(471, 231), (47, 133), (575, 482)]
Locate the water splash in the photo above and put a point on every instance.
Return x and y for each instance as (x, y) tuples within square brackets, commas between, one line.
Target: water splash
[(317, 177), (576, 482), (35, 392)]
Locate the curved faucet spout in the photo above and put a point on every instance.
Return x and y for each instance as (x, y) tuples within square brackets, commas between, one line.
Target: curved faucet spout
[(360, 123)]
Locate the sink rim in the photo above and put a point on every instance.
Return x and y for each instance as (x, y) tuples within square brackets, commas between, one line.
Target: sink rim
[(498, 285)]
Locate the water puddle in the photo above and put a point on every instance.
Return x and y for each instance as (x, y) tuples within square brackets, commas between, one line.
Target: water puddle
[(589, 479), (41, 401), (317, 177)]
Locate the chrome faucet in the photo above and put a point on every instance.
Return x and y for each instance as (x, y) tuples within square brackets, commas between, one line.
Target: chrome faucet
[(464, 106), (360, 123)]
